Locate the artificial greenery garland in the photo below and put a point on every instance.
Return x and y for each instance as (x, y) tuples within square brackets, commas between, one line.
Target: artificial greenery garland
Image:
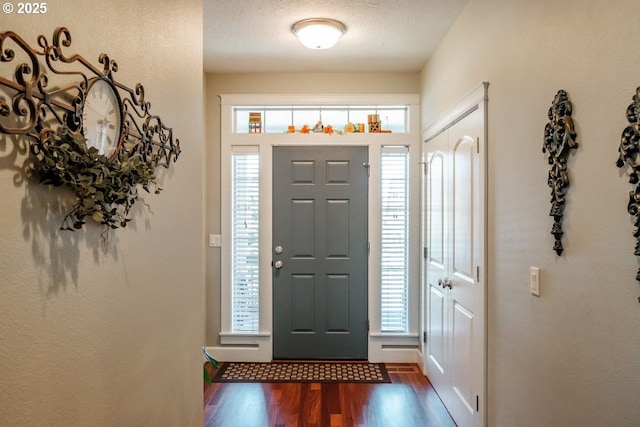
[(105, 188)]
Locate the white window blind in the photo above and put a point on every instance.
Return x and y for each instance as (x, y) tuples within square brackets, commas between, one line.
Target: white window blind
[(245, 197), (395, 238)]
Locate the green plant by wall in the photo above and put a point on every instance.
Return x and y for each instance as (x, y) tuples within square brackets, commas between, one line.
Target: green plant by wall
[(106, 188), (212, 361)]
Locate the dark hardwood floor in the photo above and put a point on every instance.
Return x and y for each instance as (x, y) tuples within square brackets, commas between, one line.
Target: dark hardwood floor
[(409, 401)]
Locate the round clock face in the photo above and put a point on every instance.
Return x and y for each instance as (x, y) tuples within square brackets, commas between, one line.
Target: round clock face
[(102, 117)]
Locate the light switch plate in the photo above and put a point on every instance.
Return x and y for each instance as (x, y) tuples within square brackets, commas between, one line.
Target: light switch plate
[(215, 240), (534, 281)]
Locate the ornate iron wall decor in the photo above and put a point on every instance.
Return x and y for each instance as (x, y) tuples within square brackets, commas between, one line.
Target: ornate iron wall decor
[(559, 139), (51, 89), (628, 159)]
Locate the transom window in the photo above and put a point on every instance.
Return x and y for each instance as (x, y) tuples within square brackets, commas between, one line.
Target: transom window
[(277, 119)]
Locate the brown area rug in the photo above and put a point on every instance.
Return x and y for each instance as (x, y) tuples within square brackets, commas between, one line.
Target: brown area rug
[(321, 372)]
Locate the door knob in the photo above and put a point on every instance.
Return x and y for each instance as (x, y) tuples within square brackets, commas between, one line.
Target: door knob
[(279, 249), (278, 264), (447, 283)]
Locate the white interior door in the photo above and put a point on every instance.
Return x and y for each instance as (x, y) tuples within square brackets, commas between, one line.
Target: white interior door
[(436, 263), (455, 356)]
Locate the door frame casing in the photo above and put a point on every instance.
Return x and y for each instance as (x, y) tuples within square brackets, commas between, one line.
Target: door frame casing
[(257, 347), (476, 99)]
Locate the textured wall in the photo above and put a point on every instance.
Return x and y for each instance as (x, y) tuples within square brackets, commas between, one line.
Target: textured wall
[(89, 338), (570, 357)]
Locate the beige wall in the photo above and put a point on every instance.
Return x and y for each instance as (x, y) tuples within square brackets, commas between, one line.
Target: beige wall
[(280, 83), (95, 339), (570, 357)]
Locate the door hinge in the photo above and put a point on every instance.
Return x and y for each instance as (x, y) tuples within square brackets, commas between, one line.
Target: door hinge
[(368, 248), (424, 252), (424, 337), (368, 325), (477, 403), (424, 168), (368, 166), (478, 145), (477, 273)]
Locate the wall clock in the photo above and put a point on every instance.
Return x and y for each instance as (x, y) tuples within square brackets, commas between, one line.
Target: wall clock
[(71, 109), (111, 116), (102, 117)]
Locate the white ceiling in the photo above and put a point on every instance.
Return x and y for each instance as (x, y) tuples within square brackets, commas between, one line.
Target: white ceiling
[(243, 36)]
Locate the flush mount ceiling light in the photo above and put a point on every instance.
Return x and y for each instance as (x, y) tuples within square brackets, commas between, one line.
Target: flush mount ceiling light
[(318, 33)]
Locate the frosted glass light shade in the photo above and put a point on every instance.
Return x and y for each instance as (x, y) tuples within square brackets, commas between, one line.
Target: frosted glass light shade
[(318, 33)]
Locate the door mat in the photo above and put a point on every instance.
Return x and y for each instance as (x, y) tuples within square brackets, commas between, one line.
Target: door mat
[(321, 372)]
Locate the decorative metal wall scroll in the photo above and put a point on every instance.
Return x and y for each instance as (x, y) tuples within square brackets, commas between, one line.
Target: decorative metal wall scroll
[(559, 139), (628, 159), (50, 90)]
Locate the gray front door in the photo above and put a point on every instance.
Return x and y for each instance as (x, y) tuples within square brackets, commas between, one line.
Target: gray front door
[(320, 252)]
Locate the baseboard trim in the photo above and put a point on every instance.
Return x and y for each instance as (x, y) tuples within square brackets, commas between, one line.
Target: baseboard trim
[(400, 355), (239, 354), (256, 354)]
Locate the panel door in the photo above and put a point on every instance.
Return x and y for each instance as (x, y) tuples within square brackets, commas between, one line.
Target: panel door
[(455, 356), (320, 252), (437, 262), (465, 322)]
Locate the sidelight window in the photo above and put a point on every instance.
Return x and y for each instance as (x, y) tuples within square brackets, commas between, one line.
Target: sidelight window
[(395, 238), (245, 201)]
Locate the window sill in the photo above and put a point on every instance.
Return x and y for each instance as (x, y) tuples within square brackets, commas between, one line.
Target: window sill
[(244, 338), (395, 338)]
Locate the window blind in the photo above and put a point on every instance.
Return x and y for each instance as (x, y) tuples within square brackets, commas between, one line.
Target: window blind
[(245, 198), (395, 238)]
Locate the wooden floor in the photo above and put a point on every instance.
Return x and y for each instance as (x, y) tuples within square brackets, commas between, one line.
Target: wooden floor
[(409, 401)]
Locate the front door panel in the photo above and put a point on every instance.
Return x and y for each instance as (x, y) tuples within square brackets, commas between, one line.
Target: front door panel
[(320, 275)]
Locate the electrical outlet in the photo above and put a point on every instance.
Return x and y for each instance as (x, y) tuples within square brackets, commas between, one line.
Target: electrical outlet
[(534, 281)]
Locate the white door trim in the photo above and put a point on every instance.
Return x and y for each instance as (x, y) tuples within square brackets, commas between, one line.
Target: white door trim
[(474, 100), (463, 107), (383, 347)]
